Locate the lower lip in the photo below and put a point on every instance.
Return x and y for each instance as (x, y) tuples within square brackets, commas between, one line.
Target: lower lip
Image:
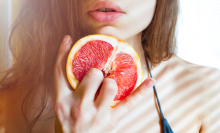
[(107, 17)]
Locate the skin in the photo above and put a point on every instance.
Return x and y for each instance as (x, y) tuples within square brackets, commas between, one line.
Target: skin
[(126, 27), (189, 94)]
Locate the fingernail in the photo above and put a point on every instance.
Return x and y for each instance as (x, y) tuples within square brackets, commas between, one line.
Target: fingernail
[(150, 82), (66, 39)]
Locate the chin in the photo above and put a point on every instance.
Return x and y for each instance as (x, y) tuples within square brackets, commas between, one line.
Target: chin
[(111, 31)]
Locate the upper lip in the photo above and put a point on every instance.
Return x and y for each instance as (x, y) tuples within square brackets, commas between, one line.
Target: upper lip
[(106, 4)]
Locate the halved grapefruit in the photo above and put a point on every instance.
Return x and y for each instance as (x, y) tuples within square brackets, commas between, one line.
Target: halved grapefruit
[(114, 57)]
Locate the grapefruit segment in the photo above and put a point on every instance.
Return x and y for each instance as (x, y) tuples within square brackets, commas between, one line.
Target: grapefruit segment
[(125, 74), (114, 57), (93, 54)]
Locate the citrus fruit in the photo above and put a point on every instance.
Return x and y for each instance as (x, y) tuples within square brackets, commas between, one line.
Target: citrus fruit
[(114, 57)]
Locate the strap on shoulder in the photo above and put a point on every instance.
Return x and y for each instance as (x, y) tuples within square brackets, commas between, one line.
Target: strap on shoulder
[(164, 122)]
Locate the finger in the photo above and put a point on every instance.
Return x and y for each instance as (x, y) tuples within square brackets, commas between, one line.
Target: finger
[(61, 83), (89, 85), (63, 112), (123, 107), (107, 94)]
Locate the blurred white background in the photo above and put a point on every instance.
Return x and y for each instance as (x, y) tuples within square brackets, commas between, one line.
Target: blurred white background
[(198, 33), (8, 12), (5, 22)]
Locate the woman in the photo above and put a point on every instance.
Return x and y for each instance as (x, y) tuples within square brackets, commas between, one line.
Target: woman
[(189, 94)]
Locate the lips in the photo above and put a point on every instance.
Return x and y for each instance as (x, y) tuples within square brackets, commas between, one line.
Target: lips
[(97, 12), (106, 4)]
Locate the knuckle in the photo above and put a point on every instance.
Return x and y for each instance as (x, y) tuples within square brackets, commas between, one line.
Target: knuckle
[(77, 114), (142, 92), (82, 115), (111, 125), (76, 110), (57, 71), (110, 86), (56, 107), (128, 104), (100, 120), (64, 48), (81, 118), (110, 81), (110, 91), (93, 72)]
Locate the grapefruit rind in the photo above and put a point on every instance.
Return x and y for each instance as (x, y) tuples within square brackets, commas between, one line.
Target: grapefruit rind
[(119, 46)]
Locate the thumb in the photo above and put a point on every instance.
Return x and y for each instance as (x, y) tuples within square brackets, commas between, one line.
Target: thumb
[(61, 83)]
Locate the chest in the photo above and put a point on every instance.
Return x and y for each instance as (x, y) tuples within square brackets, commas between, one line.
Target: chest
[(181, 113), (179, 93)]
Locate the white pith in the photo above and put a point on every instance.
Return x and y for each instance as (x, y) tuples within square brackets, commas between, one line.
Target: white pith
[(118, 45)]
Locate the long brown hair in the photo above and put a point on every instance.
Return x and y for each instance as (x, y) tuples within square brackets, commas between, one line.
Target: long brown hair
[(40, 27)]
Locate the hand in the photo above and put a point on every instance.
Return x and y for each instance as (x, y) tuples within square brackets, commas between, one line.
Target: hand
[(77, 112)]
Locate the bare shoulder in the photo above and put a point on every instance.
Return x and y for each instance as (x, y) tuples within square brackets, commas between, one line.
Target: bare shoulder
[(179, 70), (206, 81), (207, 78), (208, 75), (194, 68)]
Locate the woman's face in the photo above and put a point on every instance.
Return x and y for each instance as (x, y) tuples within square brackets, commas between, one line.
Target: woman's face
[(135, 17)]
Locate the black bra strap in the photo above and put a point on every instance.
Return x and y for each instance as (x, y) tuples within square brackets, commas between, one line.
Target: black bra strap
[(164, 122)]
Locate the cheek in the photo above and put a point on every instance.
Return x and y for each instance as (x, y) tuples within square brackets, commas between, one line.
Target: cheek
[(146, 13), (140, 15)]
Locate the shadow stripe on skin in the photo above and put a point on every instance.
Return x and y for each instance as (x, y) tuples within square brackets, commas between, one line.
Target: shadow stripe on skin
[(196, 93), (152, 109), (186, 79), (216, 97), (198, 110), (191, 86), (183, 110)]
